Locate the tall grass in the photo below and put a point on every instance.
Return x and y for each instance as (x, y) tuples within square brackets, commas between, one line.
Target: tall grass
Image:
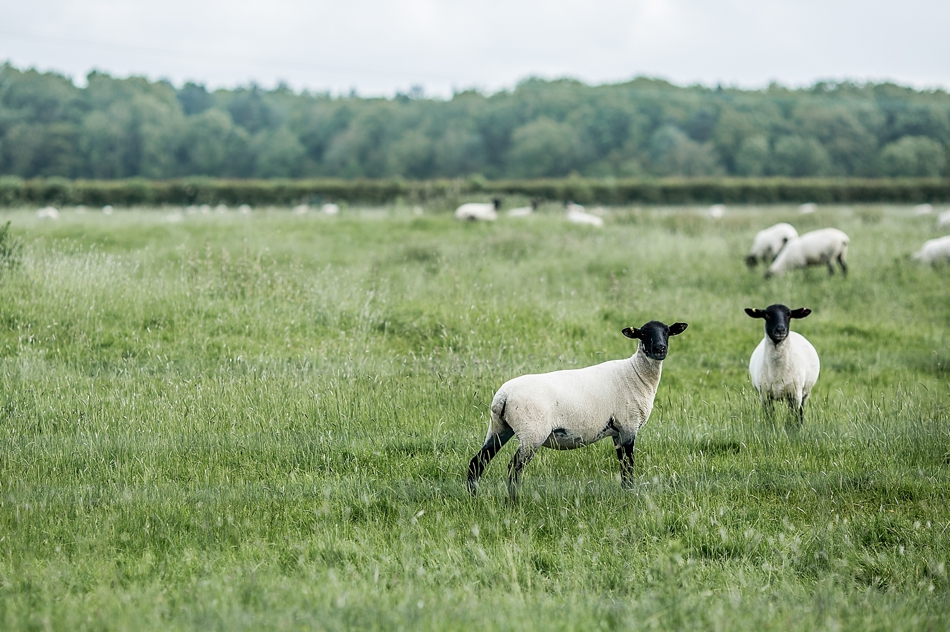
[(235, 422)]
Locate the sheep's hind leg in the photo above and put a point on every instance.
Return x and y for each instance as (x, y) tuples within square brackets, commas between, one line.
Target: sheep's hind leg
[(521, 458), (844, 266), (625, 449), (481, 460)]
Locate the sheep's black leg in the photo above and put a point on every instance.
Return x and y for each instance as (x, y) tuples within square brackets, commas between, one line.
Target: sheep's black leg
[(831, 267), (844, 266), (480, 461), (625, 456), (521, 458)]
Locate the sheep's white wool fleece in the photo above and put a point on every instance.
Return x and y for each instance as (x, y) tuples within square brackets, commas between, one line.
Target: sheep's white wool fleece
[(814, 248), (769, 241), (784, 371), (580, 402)]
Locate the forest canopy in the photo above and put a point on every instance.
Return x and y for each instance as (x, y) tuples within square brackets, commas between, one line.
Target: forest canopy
[(132, 127)]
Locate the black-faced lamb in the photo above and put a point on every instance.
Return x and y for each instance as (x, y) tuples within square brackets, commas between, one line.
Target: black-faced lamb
[(819, 247), (569, 409), (768, 242), (784, 366)]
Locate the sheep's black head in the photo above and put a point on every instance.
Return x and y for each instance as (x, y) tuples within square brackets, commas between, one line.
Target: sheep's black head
[(777, 319), (496, 201), (654, 337)]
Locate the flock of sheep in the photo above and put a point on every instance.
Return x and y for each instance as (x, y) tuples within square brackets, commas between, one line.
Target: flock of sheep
[(569, 409)]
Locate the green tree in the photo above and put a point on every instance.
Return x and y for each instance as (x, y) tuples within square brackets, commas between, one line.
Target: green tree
[(798, 157), (913, 156), (544, 148)]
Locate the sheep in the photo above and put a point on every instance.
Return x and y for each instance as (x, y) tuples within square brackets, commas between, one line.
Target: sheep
[(818, 247), (524, 211), (923, 209), (577, 215), (768, 242), (784, 365), (245, 209), (330, 209), (934, 251), (107, 209), (477, 211), (221, 208), (569, 409), (48, 212), (301, 209), (716, 211), (807, 208), (943, 220)]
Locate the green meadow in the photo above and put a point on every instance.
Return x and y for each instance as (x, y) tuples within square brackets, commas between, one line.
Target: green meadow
[(263, 421)]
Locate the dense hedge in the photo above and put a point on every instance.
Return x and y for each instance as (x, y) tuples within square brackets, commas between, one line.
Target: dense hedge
[(18, 192)]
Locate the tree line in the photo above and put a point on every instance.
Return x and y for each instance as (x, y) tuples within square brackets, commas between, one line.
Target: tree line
[(132, 127)]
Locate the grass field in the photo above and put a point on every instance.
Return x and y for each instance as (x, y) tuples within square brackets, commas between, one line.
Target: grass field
[(263, 422)]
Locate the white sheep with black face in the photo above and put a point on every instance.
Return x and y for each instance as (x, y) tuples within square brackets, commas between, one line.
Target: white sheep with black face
[(768, 242), (819, 247), (478, 212), (785, 365), (564, 410)]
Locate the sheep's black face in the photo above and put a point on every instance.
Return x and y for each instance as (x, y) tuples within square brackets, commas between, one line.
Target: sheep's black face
[(777, 319), (654, 337)]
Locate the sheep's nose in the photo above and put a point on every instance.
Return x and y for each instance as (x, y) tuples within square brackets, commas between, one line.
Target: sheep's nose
[(660, 349)]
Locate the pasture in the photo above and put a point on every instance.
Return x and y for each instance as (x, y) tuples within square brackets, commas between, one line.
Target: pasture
[(264, 421)]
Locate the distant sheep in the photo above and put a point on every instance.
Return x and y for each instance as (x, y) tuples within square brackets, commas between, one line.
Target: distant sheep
[(301, 209), (577, 215), (923, 209), (807, 208), (785, 365), (716, 211), (934, 251), (48, 212), (478, 211), (819, 247), (768, 242), (564, 410), (943, 220), (330, 209), (107, 209), (524, 211)]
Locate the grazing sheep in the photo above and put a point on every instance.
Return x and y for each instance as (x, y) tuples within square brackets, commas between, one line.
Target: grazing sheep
[(784, 365), (716, 211), (221, 208), (934, 251), (330, 209), (807, 207), (524, 211), (244, 209), (819, 247), (107, 209), (577, 215), (923, 209), (564, 410), (768, 242), (478, 211), (301, 209), (943, 220), (48, 212)]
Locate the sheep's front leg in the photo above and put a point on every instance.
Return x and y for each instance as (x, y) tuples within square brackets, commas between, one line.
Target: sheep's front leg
[(521, 458), (480, 461), (625, 447)]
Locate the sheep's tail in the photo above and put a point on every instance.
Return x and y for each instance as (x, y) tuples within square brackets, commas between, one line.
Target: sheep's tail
[(498, 407)]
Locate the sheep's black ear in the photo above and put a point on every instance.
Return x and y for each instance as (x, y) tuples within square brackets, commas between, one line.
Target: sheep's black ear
[(755, 313), (631, 332), (801, 312), (677, 328)]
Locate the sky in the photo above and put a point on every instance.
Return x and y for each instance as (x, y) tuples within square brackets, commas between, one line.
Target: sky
[(377, 47)]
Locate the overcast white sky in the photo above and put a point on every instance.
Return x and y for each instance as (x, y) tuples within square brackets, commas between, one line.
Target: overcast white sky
[(379, 47)]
